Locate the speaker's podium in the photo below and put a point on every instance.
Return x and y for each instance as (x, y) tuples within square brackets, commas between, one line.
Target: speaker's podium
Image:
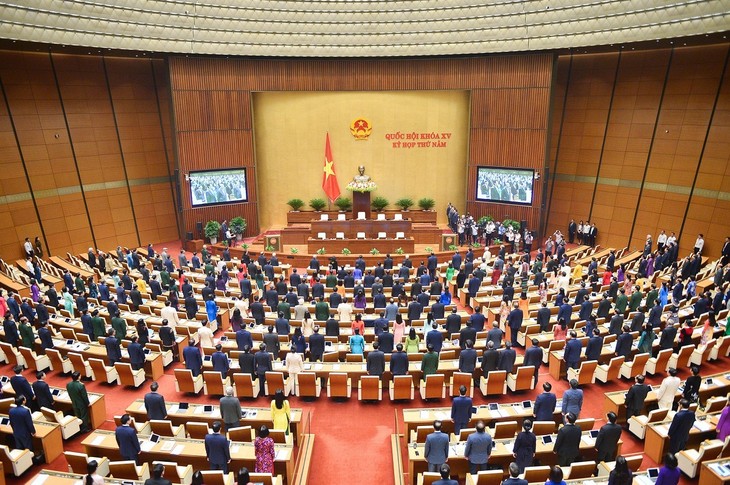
[(361, 203)]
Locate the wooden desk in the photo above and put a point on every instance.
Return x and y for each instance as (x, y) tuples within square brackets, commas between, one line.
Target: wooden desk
[(47, 437), (351, 227), (73, 269), (263, 415), (711, 474), (657, 439), (97, 404), (12, 285), (189, 452), (52, 477), (360, 246)]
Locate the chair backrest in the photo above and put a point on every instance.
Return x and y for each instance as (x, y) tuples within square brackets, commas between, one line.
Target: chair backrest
[(585, 424), (459, 379), (6, 404), (543, 427), (715, 404), (331, 357), (29, 357), (98, 366), (657, 415), (55, 357), (465, 432), (489, 477), (634, 461), (241, 434), (639, 363), (50, 414), (582, 469), (422, 432), (275, 380), (556, 345), (402, 386), (505, 429), (614, 367), (340, 235), (124, 370), (264, 478), (77, 462), (338, 383), (162, 427), (434, 386), (184, 379), (610, 339), (196, 430), (361, 235), (214, 383), (354, 358), (78, 363), (537, 473), (662, 359), (308, 383), (525, 376), (322, 235), (429, 478), (213, 477), (170, 470), (495, 382), (243, 384), (585, 373), (68, 333), (710, 451), (370, 387), (341, 217), (124, 469), (684, 354)]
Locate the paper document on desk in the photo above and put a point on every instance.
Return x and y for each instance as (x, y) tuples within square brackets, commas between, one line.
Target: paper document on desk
[(281, 455), (235, 449), (318, 366), (168, 445), (424, 415), (98, 440), (509, 446), (174, 409), (587, 439), (177, 450), (39, 479), (142, 407), (146, 445), (335, 366), (442, 416), (703, 425), (199, 410)]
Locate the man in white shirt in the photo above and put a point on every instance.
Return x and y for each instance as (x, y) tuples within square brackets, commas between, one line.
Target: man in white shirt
[(667, 391), (564, 281), (28, 247), (205, 335), (344, 310), (672, 239), (699, 244), (661, 240), (170, 313)]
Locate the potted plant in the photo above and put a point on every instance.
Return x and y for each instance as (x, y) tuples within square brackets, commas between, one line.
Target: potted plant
[(321, 251), (428, 249), (515, 225), (379, 203), (399, 251), (343, 203), (317, 204), (426, 204), (484, 219), (374, 251), (212, 229), (346, 251), (238, 226), (404, 203), (294, 250), (453, 247), (270, 248), (296, 204)]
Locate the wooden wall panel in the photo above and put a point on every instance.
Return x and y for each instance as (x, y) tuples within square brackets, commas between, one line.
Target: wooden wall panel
[(212, 107), (75, 149)]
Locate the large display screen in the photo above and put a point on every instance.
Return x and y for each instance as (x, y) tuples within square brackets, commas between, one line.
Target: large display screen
[(227, 186), (505, 185)]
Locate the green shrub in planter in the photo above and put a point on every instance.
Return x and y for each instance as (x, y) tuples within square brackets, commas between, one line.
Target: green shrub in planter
[(453, 247), (317, 204), (404, 203), (379, 203), (296, 204), (238, 225), (212, 229), (343, 203), (426, 204)]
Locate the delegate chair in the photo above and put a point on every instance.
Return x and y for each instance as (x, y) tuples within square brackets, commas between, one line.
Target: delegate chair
[(143, 428), (721, 348), (77, 463), (197, 430), (80, 365), (638, 424), (420, 434), (382, 235), (12, 356), (464, 433), (689, 460), (331, 356), (17, 460), (698, 357), (370, 389), (360, 235), (433, 387), (398, 217), (176, 473), (629, 370), (608, 372), (354, 358), (459, 379), (581, 469), (505, 429), (401, 387), (381, 216), (553, 346), (6, 404), (214, 384), (523, 379), (585, 424), (129, 377), (341, 217), (679, 360), (216, 477), (129, 470), (659, 363), (400, 235), (243, 386), (543, 427), (427, 478), (166, 355), (185, 382), (534, 474), (339, 235), (102, 371), (489, 477), (64, 365), (34, 361), (324, 217), (494, 384), (309, 385), (275, 381), (715, 404), (322, 235), (164, 427), (70, 425), (339, 385), (241, 434), (585, 374), (634, 462), (360, 216)]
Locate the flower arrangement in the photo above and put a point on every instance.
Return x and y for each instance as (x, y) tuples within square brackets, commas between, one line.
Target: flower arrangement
[(368, 186), (428, 249), (374, 251), (476, 245), (453, 247), (321, 251), (270, 248), (346, 251), (399, 251), (294, 250)]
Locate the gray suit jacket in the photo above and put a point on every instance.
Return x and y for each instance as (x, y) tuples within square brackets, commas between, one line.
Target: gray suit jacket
[(230, 409), (437, 448), (376, 363), (478, 447)]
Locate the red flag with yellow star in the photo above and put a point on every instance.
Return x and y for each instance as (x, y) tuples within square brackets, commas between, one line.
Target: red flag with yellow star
[(329, 177)]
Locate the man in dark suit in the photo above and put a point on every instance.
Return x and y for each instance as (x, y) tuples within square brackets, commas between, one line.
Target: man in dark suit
[(11, 329), (113, 347), (681, 425), (445, 472), (385, 340), (478, 448), (246, 362), (435, 338), (453, 322), (436, 451), (154, 403), (193, 358), (490, 359), (533, 357), (594, 345), (398, 361), (667, 337), (127, 440), (543, 317), (636, 396), (243, 338), (316, 345), (271, 340), (217, 448), (514, 321), (567, 443), (573, 348), (257, 311), (545, 403), (623, 343), (43, 396), (507, 358), (158, 470), (262, 363), (461, 410), (136, 353), (607, 440), (477, 320), (21, 422), (467, 333), (45, 336), (220, 361), (468, 360), (375, 364), (22, 387)]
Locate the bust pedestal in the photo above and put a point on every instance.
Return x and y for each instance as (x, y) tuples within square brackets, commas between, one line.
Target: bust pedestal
[(360, 203)]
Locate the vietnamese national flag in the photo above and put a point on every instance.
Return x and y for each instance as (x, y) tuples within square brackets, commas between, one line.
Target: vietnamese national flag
[(329, 177)]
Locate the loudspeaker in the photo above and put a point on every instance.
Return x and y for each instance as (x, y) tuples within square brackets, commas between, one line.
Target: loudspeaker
[(199, 229), (188, 236), (273, 243), (448, 240)]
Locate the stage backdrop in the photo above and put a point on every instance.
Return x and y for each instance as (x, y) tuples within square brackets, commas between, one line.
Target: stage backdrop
[(290, 129)]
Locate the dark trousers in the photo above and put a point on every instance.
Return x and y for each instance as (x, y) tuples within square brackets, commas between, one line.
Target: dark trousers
[(133, 458), (137, 365), (435, 467), (218, 466), (23, 442), (262, 384), (476, 467)]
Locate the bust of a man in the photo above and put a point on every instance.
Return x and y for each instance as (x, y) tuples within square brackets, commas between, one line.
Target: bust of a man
[(362, 177), (361, 182)]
